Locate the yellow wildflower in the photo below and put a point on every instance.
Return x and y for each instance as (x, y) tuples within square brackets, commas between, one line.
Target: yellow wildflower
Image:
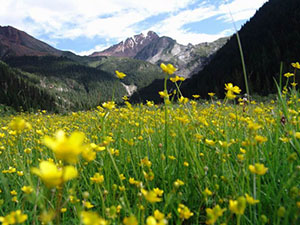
[(183, 100), (88, 154), (288, 75), (178, 183), (149, 103), (47, 216), (97, 178), (88, 205), (258, 169), (224, 144), (146, 162), (163, 94), (296, 65), (171, 157), (158, 215), (63, 210), (230, 95), (13, 192), (13, 218), (214, 214), (151, 220), (18, 124), (186, 164), (241, 157), (122, 188), (253, 126), (53, 176), (122, 177), (151, 196), (251, 200), (27, 189), (210, 142), (207, 192), (260, 139), (238, 206), (234, 89), (120, 75), (109, 105), (184, 212), (148, 176), (297, 135), (176, 78), (131, 180), (92, 218), (168, 69), (158, 191), (67, 149), (131, 220), (27, 150)]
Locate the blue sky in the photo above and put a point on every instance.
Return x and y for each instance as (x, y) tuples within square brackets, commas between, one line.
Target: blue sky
[(85, 26)]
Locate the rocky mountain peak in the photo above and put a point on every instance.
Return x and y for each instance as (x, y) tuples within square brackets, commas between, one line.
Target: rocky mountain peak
[(152, 35), (130, 47)]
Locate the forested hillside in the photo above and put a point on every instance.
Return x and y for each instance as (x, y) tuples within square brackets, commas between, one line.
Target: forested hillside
[(21, 91), (75, 86), (270, 37)]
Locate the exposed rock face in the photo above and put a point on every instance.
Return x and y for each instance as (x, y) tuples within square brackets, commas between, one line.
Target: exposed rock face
[(187, 58), (130, 88), (14, 42), (130, 47)]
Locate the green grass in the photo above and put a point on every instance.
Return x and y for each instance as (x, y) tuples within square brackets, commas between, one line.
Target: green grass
[(210, 147)]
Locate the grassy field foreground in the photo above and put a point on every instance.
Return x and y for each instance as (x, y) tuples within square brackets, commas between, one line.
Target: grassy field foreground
[(188, 163)]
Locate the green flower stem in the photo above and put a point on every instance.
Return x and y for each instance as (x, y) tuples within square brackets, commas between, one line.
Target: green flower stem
[(166, 115), (102, 201), (238, 220)]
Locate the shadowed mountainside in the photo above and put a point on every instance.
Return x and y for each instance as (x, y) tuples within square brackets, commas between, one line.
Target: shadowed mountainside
[(270, 37), (14, 42)]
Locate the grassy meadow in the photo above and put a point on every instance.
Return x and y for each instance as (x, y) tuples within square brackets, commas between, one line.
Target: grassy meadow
[(192, 162)]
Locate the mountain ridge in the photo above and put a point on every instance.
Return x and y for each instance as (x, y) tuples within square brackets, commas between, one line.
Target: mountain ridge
[(128, 48), (14, 42), (189, 59)]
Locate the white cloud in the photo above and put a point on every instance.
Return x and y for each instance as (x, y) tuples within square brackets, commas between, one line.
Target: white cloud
[(117, 19), (97, 48), (240, 9), (173, 26)]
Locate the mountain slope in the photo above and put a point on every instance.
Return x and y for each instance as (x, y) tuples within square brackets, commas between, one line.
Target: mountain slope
[(139, 73), (85, 84), (14, 42), (270, 37), (188, 59), (154, 49), (75, 85), (20, 89)]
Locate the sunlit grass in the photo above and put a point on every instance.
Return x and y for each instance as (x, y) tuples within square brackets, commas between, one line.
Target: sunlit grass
[(218, 162)]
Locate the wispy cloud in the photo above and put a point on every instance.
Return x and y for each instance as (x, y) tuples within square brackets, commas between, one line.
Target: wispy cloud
[(118, 19), (240, 9), (97, 48)]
